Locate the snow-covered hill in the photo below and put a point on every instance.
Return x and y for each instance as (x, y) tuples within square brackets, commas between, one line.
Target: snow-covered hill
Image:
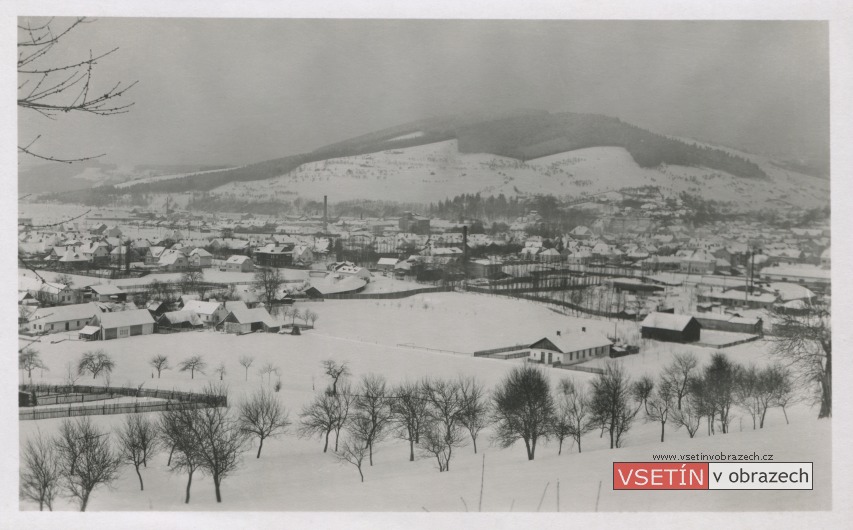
[(433, 172)]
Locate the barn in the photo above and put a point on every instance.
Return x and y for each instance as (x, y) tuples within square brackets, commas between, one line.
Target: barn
[(668, 327), (123, 324), (248, 320)]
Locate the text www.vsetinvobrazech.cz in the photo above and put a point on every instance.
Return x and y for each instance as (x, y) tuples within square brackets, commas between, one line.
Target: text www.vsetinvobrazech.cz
[(713, 457)]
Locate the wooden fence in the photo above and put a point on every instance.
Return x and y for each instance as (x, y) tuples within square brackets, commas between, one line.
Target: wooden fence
[(168, 395), (492, 351), (561, 303), (115, 408)]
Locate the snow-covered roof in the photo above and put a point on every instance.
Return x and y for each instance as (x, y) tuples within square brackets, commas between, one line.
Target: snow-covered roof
[(119, 319), (65, 313), (202, 308), (572, 342), (179, 317), (387, 261), (666, 321), (237, 259)]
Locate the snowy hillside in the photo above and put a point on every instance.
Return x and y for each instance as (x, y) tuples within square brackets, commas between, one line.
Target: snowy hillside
[(295, 474), (433, 172)]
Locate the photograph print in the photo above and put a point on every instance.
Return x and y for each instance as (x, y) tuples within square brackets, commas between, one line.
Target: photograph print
[(423, 265)]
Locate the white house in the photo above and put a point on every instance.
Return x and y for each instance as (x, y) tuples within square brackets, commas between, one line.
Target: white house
[(61, 318), (238, 263), (569, 348), (199, 257), (210, 312)]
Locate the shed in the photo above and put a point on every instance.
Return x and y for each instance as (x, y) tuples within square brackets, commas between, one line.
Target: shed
[(123, 324), (180, 320), (669, 327), (248, 320)]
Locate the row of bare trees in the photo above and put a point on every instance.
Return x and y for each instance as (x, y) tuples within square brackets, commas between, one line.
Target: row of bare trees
[(209, 440)]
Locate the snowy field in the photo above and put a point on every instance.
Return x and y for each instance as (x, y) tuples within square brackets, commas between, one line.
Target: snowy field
[(294, 474)]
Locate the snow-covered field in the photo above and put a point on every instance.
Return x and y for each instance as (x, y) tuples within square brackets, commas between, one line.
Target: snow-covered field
[(294, 474), (433, 172)]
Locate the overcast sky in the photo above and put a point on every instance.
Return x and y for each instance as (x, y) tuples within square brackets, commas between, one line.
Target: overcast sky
[(236, 91)]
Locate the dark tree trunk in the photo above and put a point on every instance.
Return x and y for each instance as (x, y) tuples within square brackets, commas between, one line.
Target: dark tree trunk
[(474, 439), (662, 425), (138, 474), (172, 450), (84, 501), (786, 415), (189, 483), (370, 452), (326, 447), (578, 439), (216, 486), (560, 449), (411, 450), (260, 446)]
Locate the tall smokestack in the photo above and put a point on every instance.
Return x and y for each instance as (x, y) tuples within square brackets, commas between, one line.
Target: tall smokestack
[(325, 213)]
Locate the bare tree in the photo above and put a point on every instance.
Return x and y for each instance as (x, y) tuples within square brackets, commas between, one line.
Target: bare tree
[(268, 281), (86, 459), (192, 281), (659, 404), (610, 403), (39, 473), (176, 431), (267, 370), (29, 359), (443, 431), (319, 418), (246, 362), (678, 374), (64, 279), (692, 408), (372, 404), (475, 408), (345, 400), (263, 416), (522, 408), (720, 383), (785, 390), (641, 391), (335, 371), (747, 392), (50, 84), (159, 362), (353, 451), (220, 441), (193, 364), (409, 413), (137, 440), (96, 363), (220, 369), (311, 317), (804, 346)]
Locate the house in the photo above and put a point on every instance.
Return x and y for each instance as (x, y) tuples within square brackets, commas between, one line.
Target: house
[(56, 293), (569, 348), (199, 257), (210, 312), (123, 324), (104, 293), (483, 268), (238, 263), (581, 233), (731, 323), (152, 254), (414, 224), (173, 260), (180, 320), (386, 264), (248, 320), (699, 262), (272, 255), (669, 327), (61, 318), (302, 255), (347, 268)]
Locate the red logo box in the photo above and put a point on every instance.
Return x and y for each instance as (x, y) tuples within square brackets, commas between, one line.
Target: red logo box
[(660, 475)]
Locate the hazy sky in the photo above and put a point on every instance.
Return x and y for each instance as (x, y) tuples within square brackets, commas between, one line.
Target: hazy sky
[(235, 91)]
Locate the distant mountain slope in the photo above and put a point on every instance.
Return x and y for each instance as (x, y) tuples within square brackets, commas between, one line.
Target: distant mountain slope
[(437, 171), (518, 134)]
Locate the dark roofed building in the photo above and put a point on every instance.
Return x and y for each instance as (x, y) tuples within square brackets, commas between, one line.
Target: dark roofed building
[(668, 327)]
